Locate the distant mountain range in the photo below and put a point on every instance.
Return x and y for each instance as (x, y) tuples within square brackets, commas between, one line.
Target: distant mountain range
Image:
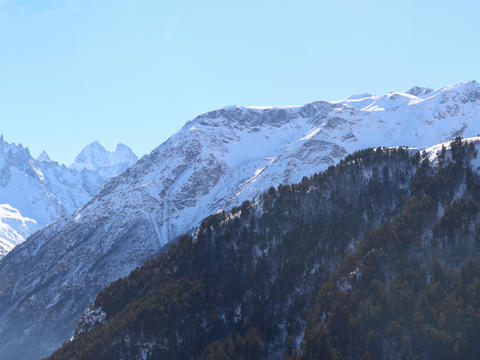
[(34, 192), (214, 162)]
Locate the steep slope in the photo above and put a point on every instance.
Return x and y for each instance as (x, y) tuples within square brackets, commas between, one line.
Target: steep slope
[(14, 228), (255, 271), (41, 190), (411, 289), (256, 264), (214, 162)]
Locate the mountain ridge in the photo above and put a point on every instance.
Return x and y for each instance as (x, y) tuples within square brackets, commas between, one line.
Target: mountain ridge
[(216, 161), (279, 271), (41, 190)]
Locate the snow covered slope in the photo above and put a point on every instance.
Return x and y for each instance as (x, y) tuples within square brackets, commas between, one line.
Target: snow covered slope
[(34, 192), (215, 161), (14, 228)]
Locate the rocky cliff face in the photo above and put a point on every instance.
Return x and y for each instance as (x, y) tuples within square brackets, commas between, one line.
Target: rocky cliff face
[(214, 162)]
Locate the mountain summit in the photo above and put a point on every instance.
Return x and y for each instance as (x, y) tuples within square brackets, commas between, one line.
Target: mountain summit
[(216, 161), (43, 156), (39, 191), (95, 157)]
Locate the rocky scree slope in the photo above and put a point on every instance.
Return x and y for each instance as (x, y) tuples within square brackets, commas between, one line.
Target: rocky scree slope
[(215, 161), (371, 235)]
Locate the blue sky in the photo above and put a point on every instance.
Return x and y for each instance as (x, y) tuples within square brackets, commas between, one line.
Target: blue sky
[(75, 71)]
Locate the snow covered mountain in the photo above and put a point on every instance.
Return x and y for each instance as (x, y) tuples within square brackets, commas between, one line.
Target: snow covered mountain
[(34, 192), (215, 161), (106, 163)]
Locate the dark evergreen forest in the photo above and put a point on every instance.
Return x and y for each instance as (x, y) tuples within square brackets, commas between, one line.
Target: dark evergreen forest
[(375, 258)]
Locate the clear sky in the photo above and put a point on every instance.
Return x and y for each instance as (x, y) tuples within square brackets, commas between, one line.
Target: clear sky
[(75, 71)]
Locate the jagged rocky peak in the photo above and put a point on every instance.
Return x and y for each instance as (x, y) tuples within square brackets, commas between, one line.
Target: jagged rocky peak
[(41, 190), (96, 158), (91, 157), (124, 149), (6, 147), (419, 91), (43, 157), (13, 155)]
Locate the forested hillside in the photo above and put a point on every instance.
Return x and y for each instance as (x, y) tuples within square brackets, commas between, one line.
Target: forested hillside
[(412, 287), (369, 259)]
